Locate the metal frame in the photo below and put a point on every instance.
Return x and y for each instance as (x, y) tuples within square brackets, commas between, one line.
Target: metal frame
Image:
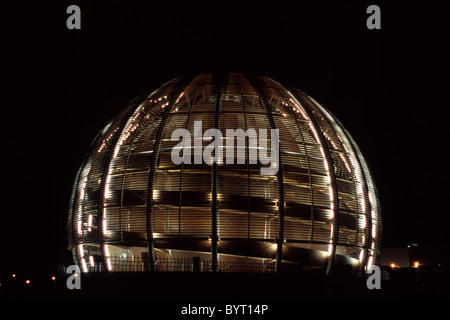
[(101, 199), (218, 81), (131, 106), (368, 205), (280, 240), (179, 87), (312, 118), (182, 167)]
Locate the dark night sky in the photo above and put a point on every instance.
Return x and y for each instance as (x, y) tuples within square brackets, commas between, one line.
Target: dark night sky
[(388, 87)]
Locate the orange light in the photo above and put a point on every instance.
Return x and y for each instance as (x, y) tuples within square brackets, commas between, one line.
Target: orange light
[(14, 275), (416, 264), (27, 282), (393, 265), (53, 278)]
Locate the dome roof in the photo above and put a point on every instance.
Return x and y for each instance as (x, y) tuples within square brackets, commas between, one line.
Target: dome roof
[(145, 196)]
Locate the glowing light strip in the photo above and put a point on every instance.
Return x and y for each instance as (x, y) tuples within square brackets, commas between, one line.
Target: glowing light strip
[(299, 108), (84, 182), (90, 223), (129, 129), (107, 194), (105, 141), (83, 261), (105, 228), (369, 263), (106, 249), (81, 250), (80, 203), (79, 228), (330, 246), (361, 255), (91, 260), (347, 166), (372, 213), (108, 260), (108, 264), (357, 169)]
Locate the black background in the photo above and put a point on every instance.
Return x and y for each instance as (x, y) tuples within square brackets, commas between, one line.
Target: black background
[(60, 87)]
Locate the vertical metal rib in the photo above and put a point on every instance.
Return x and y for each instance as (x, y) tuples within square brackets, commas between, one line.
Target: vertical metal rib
[(70, 221), (87, 156), (309, 169), (179, 87), (365, 194), (368, 177), (305, 102), (72, 210), (247, 143), (70, 225), (368, 205), (218, 79), (122, 189), (182, 164), (368, 208), (101, 197), (256, 84)]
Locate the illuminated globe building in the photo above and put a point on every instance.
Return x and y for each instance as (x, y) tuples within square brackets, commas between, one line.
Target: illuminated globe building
[(134, 209)]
